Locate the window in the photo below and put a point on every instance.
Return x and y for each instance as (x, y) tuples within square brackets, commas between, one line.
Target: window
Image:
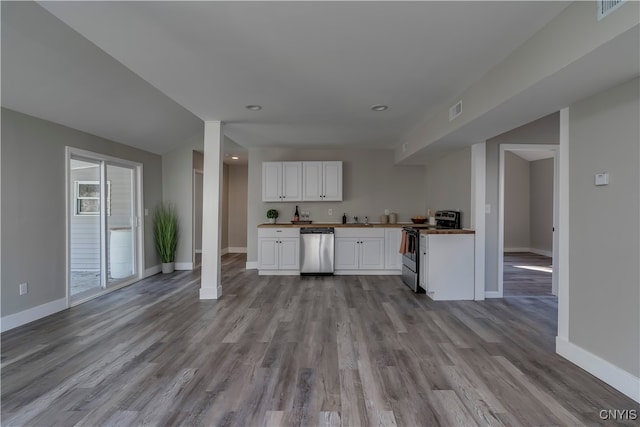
[(88, 198)]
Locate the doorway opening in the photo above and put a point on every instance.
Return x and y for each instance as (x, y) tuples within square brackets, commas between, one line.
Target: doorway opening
[(104, 238), (527, 241)]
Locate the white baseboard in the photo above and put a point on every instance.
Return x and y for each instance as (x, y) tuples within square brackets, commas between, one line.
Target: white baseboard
[(237, 250), (367, 273), (224, 251), (617, 378), (278, 273), (532, 250), (184, 266), (542, 252), (26, 316), (492, 294), (209, 293), (251, 265), (198, 251), (152, 270)]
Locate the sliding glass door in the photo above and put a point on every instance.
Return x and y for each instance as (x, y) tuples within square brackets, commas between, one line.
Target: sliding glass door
[(102, 223)]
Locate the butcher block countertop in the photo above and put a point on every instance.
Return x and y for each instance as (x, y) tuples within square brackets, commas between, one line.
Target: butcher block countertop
[(424, 228)]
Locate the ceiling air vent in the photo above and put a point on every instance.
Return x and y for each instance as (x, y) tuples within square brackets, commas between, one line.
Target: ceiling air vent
[(605, 7), (455, 111)]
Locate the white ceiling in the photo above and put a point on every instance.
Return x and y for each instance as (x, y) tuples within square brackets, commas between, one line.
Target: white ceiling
[(315, 67)]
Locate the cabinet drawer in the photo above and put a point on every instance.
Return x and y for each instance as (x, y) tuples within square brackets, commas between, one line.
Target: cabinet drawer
[(278, 232), (359, 232)]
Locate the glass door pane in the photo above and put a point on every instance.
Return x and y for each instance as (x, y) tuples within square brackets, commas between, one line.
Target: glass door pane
[(85, 230), (121, 224)]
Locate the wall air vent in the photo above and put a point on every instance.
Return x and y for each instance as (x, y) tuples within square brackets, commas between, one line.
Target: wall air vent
[(455, 111), (605, 7)]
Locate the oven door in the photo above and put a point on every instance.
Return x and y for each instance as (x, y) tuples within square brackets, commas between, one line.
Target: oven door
[(410, 261), (410, 278)]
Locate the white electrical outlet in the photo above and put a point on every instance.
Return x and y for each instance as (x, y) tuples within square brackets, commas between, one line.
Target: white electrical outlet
[(602, 178), (23, 288), (146, 212), (330, 211), (386, 211), (487, 209)]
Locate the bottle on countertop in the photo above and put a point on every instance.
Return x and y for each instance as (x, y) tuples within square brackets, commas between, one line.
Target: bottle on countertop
[(344, 218), (296, 215)]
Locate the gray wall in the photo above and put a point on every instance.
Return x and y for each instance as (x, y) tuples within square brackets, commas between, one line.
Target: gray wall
[(603, 259), (447, 184), (541, 204), (238, 185), (33, 208), (198, 164), (516, 202), (177, 188), (371, 183), (224, 207), (545, 130)]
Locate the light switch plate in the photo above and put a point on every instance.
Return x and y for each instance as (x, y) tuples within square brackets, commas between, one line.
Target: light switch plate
[(602, 178), (487, 209)]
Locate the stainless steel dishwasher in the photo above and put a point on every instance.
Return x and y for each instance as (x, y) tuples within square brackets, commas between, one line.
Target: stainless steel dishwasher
[(316, 250)]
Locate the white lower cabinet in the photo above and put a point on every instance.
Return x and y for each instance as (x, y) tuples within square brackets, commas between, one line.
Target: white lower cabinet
[(392, 256), (447, 269), (278, 251), (359, 250)]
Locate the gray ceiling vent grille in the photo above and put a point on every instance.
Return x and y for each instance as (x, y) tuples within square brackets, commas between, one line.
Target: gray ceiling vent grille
[(455, 111), (605, 7)]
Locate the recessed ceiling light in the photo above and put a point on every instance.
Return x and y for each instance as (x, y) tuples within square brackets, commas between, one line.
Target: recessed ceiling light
[(379, 107), (234, 157), (254, 107)]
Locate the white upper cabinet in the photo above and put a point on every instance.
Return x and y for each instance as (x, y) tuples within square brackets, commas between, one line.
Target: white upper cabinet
[(312, 181), (281, 181), (322, 181), (295, 181), (332, 181)]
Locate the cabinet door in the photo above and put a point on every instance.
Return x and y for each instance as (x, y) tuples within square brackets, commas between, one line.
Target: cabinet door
[(332, 181), (346, 253), (268, 254), (271, 181), (289, 253), (424, 263), (312, 181), (371, 253), (291, 181), (392, 256)]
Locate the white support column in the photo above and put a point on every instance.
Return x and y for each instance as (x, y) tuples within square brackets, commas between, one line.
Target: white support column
[(210, 287), (563, 229), (478, 214)]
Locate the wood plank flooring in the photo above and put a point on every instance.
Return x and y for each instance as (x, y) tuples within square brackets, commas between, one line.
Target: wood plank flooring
[(526, 274), (291, 351)]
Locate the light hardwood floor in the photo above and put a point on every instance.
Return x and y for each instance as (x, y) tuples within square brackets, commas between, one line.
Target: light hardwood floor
[(344, 350)]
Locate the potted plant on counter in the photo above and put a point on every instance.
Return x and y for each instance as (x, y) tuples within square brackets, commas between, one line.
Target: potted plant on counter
[(272, 215), (165, 231)]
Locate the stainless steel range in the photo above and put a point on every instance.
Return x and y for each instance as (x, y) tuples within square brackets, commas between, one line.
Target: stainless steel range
[(410, 246)]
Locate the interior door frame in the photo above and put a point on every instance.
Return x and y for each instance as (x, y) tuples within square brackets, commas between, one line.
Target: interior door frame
[(139, 220), (555, 149)]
